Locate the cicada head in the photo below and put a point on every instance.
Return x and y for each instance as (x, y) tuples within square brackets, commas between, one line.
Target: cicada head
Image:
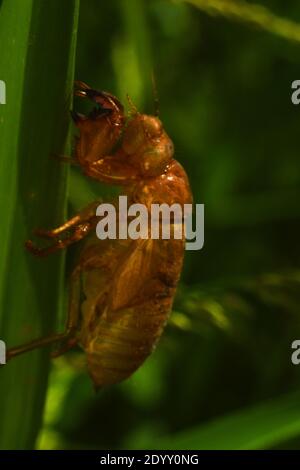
[(147, 144), (101, 128)]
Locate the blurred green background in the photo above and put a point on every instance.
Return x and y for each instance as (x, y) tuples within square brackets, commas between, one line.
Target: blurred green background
[(222, 375)]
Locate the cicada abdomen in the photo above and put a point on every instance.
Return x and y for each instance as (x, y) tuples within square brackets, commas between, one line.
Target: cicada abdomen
[(122, 323)]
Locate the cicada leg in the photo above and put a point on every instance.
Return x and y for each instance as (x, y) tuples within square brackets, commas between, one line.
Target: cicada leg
[(65, 159), (80, 232), (111, 170), (68, 338), (85, 215), (81, 224), (38, 343)]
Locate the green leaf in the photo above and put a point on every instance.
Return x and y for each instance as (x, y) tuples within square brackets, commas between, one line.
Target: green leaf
[(36, 63)]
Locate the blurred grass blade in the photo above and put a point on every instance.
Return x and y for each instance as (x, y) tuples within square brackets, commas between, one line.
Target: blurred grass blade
[(132, 55), (255, 14), (260, 427), (36, 62)]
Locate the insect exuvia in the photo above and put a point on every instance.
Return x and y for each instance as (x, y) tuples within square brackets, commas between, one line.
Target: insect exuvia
[(127, 286)]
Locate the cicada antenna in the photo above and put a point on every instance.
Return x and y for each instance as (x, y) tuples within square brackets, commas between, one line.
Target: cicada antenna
[(133, 108), (155, 94)]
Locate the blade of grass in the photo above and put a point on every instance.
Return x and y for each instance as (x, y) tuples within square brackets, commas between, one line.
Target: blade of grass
[(37, 60), (254, 14), (132, 55), (258, 427)]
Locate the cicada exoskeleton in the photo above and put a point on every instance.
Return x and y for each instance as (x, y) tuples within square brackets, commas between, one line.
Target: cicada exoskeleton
[(127, 285)]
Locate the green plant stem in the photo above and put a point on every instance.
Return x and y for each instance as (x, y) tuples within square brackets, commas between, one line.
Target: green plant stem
[(37, 60)]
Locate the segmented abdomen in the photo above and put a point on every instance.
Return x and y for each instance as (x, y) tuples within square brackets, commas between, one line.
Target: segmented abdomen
[(118, 341), (124, 340)]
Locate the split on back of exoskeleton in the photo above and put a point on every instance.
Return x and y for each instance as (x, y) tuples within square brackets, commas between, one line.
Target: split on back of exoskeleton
[(128, 285)]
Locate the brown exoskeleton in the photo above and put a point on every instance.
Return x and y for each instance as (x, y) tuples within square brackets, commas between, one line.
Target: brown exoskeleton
[(128, 285)]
